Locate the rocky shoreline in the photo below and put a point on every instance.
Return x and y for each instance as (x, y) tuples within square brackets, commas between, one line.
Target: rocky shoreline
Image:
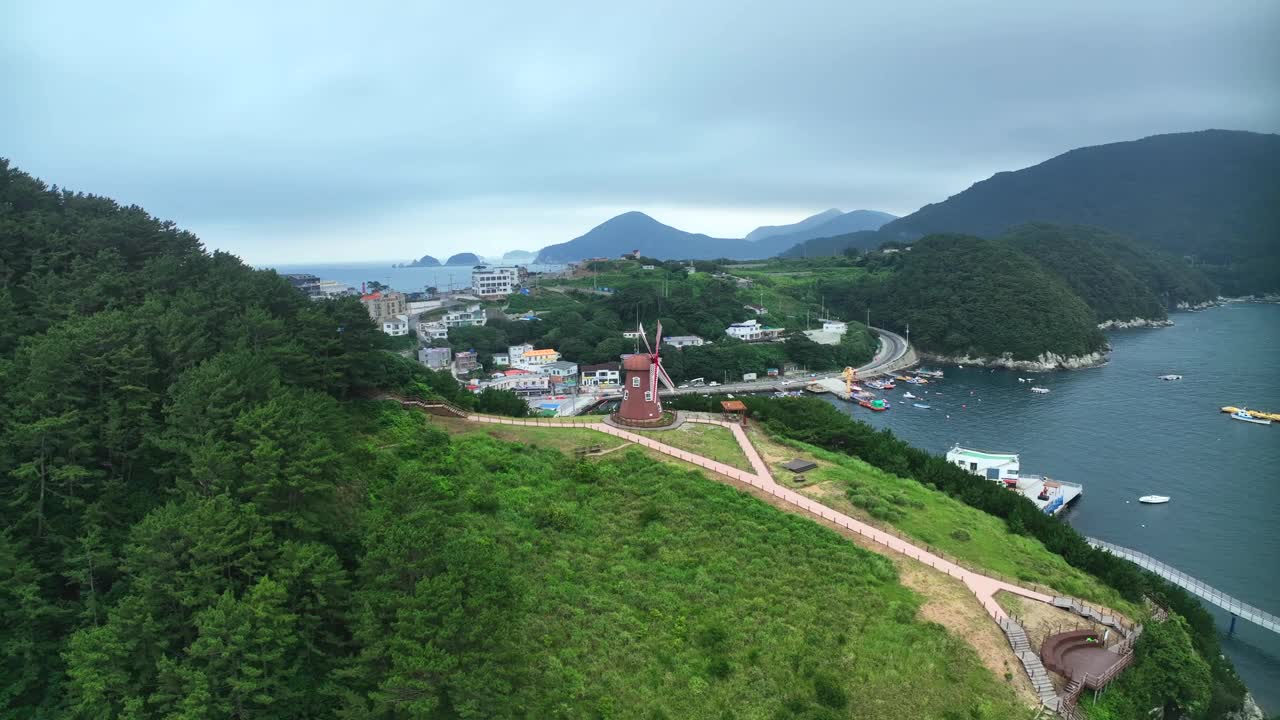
[(1044, 363), (1134, 323)]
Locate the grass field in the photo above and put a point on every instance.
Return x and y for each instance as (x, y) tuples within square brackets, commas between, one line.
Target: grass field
[(934, 518), (648, 592), (710, 441)]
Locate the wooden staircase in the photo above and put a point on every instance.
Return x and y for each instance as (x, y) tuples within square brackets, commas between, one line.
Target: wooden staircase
[(1039, 677)]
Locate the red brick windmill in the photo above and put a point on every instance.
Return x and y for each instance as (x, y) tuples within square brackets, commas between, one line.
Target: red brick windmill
[(640, 403)]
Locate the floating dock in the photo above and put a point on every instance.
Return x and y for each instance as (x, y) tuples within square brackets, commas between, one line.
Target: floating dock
[(1274, 417), (1051, 496)]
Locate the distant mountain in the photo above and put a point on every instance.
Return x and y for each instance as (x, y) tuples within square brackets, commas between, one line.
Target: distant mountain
[(637, 231), (817, 247), (424, 261), (850, 222), (463, 259), (765, 231), (519, 256), (1213, 195), (1120, 279)]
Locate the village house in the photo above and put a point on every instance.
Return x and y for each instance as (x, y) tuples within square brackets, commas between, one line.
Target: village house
[(465, 362), (603, 374), (680, 341), (396, 325), (435, 358), (383, 304), (473, 316)]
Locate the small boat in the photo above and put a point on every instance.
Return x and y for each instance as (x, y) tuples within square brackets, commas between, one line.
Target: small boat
[(909, 396), (1243, 414), (876, 405), (1040, 390), (922, 406), (1154, 499), (1170, 377)]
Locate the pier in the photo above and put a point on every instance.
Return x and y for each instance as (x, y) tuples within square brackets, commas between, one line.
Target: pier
[(1205, 592)]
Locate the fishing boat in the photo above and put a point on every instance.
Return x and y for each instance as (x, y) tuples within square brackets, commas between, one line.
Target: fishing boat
[(1170, 377), (876, 405), (922, 406), (1243, 414), (907, 395), (1040, 390), (1154, 499)]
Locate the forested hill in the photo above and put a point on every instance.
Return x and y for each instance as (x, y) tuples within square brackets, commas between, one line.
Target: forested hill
[(192, 525), (637, 231), (1118, 278), (1214, 195), (968, 296)]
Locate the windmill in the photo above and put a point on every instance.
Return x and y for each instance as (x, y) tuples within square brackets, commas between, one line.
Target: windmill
[(640, 403)]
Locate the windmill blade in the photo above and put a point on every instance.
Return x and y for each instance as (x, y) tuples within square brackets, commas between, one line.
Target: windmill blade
[(662, 375), (657, 340), (646, 339)]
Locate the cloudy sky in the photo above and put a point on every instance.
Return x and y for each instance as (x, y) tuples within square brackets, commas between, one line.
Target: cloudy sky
[(370, 131)]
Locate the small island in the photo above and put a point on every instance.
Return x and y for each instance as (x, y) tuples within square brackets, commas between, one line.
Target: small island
[(519, 256), (424, 261), (463, 259)]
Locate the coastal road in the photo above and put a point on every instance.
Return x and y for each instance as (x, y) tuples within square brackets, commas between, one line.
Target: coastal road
[(893, 354)]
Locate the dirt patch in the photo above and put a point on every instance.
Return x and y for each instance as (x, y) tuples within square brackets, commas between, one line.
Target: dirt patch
[(950, 604), (1041, 620)]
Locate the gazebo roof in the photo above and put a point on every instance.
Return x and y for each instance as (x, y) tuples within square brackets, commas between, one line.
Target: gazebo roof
[(797, 465), (733, 406)]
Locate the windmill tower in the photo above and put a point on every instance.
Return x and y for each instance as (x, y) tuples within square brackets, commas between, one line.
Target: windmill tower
[(643, 371)]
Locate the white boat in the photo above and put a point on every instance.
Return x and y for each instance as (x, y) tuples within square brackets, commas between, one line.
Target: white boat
[(1170, 377), (1040, 390), (1243, 414), (909, 396), (1154, 499)]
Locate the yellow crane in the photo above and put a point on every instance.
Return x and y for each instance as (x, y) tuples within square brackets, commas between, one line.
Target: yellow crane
[(850, 377)]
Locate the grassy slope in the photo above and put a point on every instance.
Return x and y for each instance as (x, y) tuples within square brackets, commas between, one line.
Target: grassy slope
[(669, 596), (710, 441), (936, 519)]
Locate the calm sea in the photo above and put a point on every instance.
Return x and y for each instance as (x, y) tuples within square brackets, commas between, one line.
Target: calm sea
[(1123, 433), (403, 279)]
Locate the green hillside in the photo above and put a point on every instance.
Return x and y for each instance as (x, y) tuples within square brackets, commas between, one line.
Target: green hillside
[(200, 521), (1209, 194), (965, 296), (1118, 278)]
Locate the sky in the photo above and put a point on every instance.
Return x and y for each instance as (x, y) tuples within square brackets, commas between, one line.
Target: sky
[(311, 132)]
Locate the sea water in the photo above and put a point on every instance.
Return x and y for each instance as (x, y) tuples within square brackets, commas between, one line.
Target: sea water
[(1124, 433)]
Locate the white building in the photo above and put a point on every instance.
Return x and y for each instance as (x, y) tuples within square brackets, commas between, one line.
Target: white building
[(501, 360), (835, 326), (992, 466), (602, 374), (646, 267), (560, 369), (495, 281), (436, 358), (535, 359), (631, 334), (473, 316), (515, 353), (751, 331), (396, 325), (527, 384), (680, 341), (432, 331)]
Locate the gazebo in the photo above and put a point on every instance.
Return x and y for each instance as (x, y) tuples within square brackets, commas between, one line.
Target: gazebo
[(734, 411)]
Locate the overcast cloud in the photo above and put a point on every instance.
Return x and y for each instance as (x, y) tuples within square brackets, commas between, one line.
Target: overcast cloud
[(370, 131)]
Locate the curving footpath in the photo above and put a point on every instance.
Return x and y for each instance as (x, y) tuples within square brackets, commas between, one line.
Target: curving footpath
[(982, 586)]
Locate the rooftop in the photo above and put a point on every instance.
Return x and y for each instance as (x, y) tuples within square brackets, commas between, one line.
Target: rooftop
[(798, 466), (601, 366), (980, 455)]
